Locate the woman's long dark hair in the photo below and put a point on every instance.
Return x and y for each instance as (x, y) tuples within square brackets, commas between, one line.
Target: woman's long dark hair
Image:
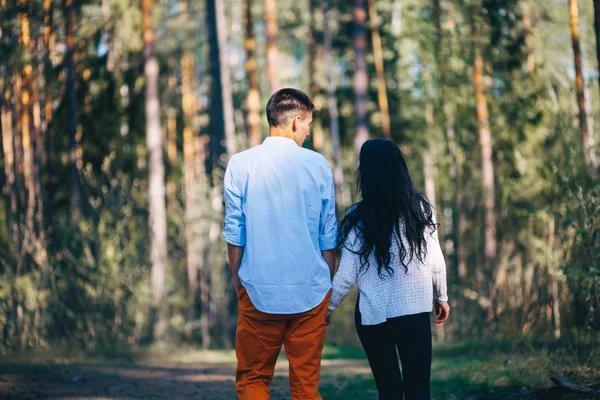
[(390, 203)]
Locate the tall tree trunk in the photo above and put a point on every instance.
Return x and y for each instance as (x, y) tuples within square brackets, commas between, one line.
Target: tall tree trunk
[(253, 98), (360, 75), (48, 121), (597, 29), (271, 25), (485, 141), (71, 100), (194, 180), (342, 191), (588, 149), (315, 53), (18, 141), (221, 97), (27, 76), (381, 86), (158, 222), (9, 161), (443, 51)]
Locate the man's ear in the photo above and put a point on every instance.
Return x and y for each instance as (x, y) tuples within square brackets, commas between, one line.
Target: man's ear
[(294, 128)]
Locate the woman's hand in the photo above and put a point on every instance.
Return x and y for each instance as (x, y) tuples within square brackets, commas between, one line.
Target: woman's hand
[(442, 310)]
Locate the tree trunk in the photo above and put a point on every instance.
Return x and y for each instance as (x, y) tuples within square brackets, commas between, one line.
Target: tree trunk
[(443, 51), (485, 141), (315, 53), (597, 29), (342, 192), (360, 75), (588, 149), (9, 162), (27, 78), (71, 100), (221, 97), (18, 141), (271, 25), (253, 98), (158, 223), (381, 86)]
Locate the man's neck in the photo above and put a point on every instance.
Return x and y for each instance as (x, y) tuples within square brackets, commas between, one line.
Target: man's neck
[(278, 132)]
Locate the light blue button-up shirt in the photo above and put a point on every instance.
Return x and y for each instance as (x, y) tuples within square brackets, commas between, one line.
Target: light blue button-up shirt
[(280, 206)]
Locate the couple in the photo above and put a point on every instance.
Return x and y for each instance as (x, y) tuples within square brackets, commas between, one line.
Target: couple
[(281, 230)]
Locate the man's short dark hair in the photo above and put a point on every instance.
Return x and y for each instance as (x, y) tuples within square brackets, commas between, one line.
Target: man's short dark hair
[(285, 104)]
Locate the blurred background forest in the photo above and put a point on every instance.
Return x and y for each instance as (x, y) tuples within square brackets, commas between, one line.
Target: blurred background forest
[(118, 118)]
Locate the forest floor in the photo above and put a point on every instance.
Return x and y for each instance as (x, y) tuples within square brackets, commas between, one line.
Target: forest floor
[(460, 371)]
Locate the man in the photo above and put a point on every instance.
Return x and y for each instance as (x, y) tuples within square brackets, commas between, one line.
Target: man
[(281, 231)]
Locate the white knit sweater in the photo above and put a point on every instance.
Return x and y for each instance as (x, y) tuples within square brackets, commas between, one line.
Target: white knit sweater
[(403, 293)]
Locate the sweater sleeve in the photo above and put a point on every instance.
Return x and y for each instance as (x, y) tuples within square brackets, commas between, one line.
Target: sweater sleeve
[(435, 258), (345, 278)]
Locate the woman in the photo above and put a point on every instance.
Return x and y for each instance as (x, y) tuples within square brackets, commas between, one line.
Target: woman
[(390, 248)]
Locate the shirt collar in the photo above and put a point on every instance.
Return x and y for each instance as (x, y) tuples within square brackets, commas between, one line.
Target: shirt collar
[(280, 140)]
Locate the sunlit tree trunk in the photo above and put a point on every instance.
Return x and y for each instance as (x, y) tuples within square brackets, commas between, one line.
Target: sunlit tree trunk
[(589, 153), (9, 160), (342, 190), (485, 141), (381, 85), (27, 77), (360, 75), (158, 223), (271, 25), (253, 97), (18, 141)]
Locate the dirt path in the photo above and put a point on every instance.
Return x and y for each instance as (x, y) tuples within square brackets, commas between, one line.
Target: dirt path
[(166, 381)]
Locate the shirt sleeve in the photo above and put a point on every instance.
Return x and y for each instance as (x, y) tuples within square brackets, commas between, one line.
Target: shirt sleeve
[(435, 258), (328, 227), (345, 277), (234, 230)]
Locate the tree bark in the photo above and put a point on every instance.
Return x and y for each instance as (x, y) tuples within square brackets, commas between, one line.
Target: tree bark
[(71, 100), (253, 97), (221, 97), (271, 25), (342, 191), (485, 141), (9, 162), (360, 75), (158, 223), (381, 85), (597, 29), (588, 149)]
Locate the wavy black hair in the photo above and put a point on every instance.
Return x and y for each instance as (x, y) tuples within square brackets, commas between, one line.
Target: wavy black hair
[(390, 205)]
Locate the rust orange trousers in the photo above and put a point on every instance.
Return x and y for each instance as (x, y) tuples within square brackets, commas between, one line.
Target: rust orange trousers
[(259, 337)]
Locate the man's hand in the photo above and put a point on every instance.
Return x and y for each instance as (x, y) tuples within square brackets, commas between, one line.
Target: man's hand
[(442, 310)]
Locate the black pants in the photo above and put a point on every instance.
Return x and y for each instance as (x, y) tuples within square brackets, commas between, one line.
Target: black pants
[(410, 336)]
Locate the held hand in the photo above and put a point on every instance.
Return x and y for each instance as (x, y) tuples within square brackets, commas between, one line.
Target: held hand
[(442, 310)]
